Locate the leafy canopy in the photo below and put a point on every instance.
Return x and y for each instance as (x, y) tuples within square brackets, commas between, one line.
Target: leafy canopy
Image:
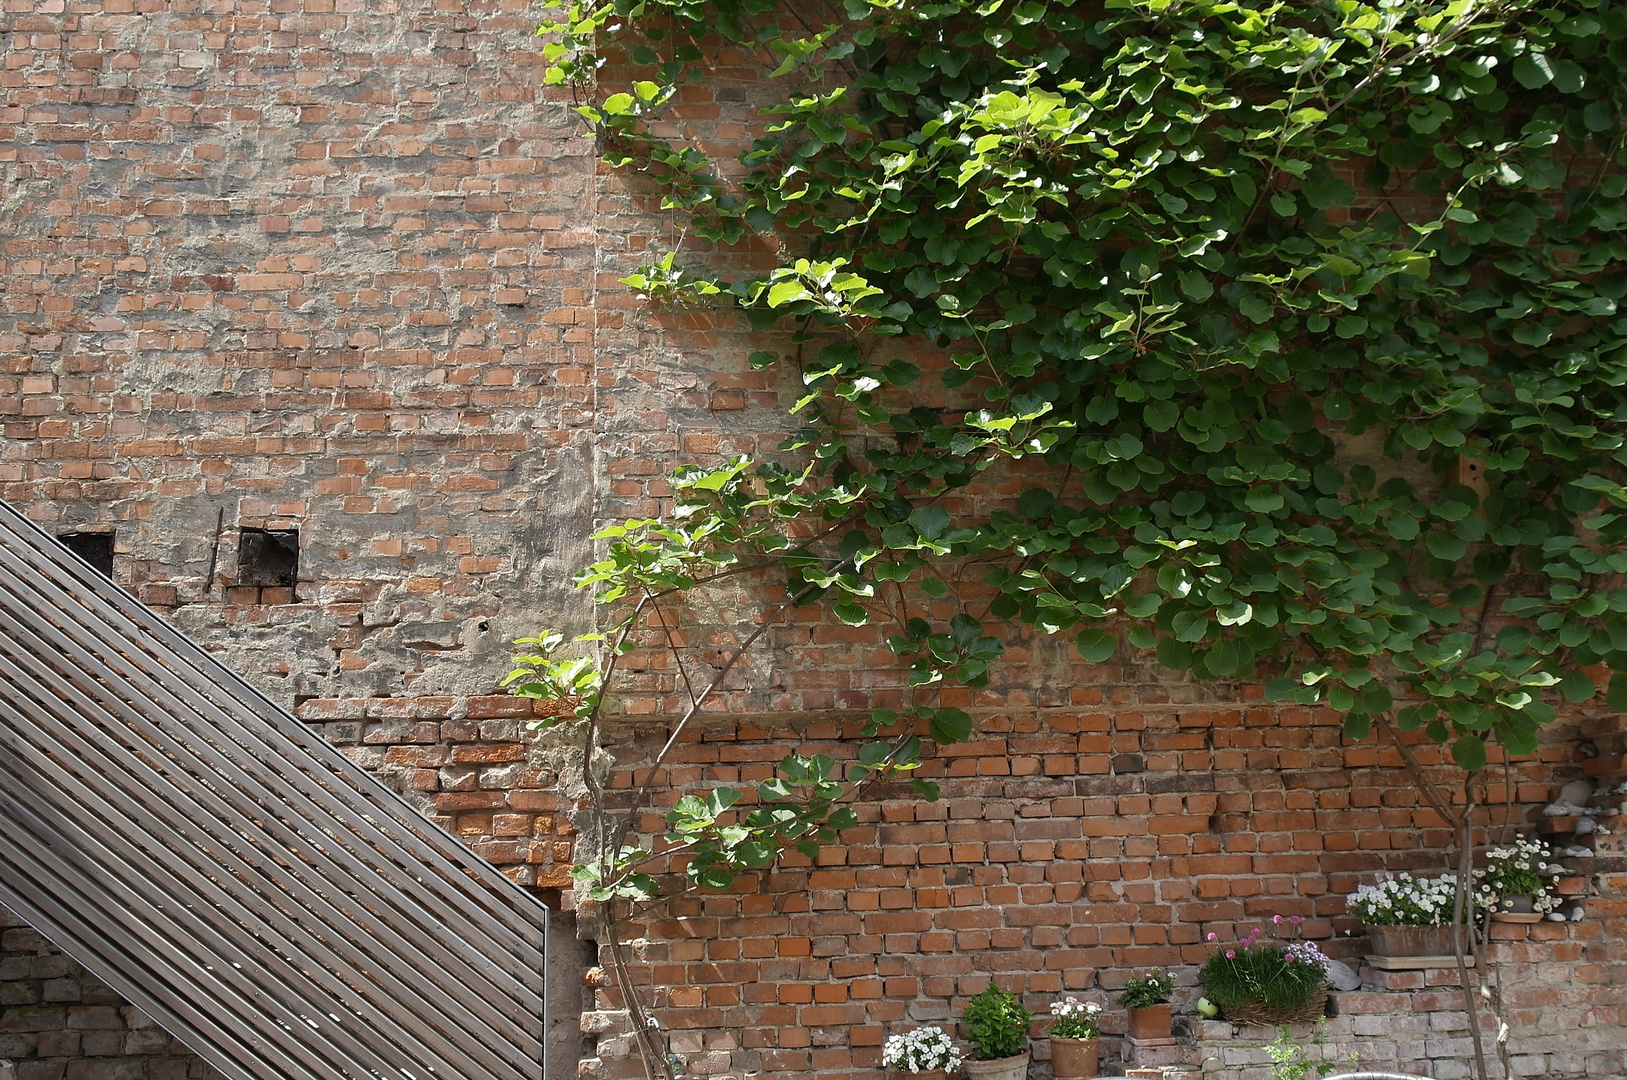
[(1300, 319)]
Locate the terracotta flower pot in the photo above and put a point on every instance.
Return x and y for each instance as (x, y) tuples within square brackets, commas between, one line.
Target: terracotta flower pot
[(1011, 1068), (1412, 940), (1075, 1059), (933, 1074), (1152, 1021)]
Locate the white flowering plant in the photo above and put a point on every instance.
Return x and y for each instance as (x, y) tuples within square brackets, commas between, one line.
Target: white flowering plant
[(925, 1049), (1403, 900), (1075, 1019), (1523, 869)]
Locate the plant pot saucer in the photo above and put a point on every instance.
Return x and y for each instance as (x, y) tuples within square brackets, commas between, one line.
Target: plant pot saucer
[(1516, 916)]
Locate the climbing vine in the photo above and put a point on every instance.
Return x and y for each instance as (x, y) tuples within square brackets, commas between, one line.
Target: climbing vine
[(1300, 321)]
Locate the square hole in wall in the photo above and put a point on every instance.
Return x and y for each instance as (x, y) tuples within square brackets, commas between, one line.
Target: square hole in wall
[(268, 560), (94, 548)]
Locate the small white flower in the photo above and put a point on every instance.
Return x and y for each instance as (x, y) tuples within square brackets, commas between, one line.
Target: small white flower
[(924, 1049)]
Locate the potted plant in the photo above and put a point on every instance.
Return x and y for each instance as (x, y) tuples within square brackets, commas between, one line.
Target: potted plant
[(926, 1052), (997, 1027), (1407, 916), (1514, 884), (1075, 1039), (1147, 998), (1267, 983)]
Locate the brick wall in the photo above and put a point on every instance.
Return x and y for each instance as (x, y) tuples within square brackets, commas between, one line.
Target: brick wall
[(325, 266), (348, 267), (59, 1022), (320, 265), (1072, 849)]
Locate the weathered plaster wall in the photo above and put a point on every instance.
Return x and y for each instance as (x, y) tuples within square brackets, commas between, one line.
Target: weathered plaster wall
[(324, 265), (328, 266)]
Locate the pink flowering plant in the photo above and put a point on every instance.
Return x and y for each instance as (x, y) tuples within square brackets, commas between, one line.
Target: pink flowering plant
[(1252, 970)]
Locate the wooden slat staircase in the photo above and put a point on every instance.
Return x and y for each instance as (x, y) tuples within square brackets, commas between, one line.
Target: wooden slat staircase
[(193, 845)]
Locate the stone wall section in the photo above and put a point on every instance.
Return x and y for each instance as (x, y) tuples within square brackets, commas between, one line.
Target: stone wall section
[(1414, 1021)]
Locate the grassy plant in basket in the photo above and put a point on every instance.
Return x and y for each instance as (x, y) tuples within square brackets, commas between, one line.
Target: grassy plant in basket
[(996, 1024), (1276, 974)]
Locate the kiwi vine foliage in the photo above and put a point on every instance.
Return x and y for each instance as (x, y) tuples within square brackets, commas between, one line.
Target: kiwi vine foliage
[(1177, 257)]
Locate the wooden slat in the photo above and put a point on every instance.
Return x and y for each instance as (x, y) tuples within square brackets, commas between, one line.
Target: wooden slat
[(197, 680), (165, 829), (204, 853), (405, 889)]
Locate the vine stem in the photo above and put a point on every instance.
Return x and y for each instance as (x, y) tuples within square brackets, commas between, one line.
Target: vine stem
[(694, 709), (656, 1064), (1463, 832)]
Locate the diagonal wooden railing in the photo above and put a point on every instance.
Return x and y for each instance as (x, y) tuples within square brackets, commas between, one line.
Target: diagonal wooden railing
[(193, 845)]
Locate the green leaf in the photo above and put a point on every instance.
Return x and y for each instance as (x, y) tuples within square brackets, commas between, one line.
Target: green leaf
[(930, 521), (1533, 70), (1096, 646), (1228, 657), (1469, 751), (1144, 606), (1007, 108), (715, 877), (1577, 688), (1161, 415), (1173, 654), (1597, 116), (786, 292), (1195, 287), (1616, 695), (950, 726), (851, 611), (1446, 546)]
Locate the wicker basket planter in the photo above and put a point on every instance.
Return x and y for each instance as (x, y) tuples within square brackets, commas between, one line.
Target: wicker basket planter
[(1259, 1014), (1075, 1059), (1412, 940)]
